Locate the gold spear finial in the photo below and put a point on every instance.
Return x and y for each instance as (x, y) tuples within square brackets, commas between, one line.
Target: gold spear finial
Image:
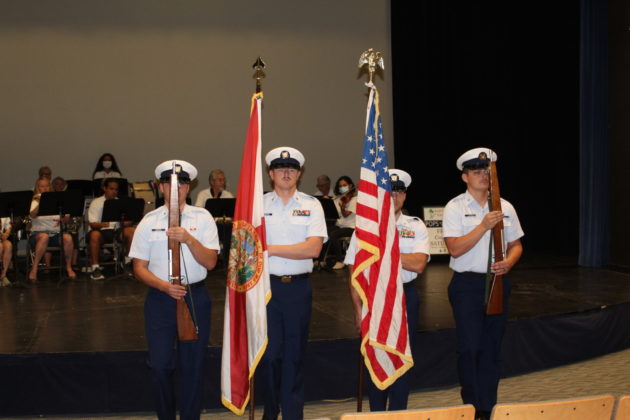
[(373, 59), (259, 74)]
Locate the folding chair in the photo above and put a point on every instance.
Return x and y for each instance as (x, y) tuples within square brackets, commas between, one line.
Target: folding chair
[(460, 412), (623, 408), (586, 408)]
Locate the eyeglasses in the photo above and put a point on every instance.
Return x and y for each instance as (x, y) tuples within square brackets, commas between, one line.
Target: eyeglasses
[(291, 171)]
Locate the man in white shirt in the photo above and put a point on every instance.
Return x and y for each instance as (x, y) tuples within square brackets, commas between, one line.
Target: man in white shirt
[(324, 188), (103, 232), (467, 226), (199, 243), (217, 188), (295, 231), (413, 240)]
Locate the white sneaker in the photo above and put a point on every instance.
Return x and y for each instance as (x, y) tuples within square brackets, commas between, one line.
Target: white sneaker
[(97, 274), (338, 265)]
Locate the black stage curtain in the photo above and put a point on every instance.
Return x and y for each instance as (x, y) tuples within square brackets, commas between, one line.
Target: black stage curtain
[(503, 75), (594, 143)]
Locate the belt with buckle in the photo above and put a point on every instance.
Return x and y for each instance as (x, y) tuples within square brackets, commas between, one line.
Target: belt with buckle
[(475, 275), (289, 278)]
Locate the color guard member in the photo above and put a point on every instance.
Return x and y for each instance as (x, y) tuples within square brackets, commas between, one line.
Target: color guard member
[(199, 244), (467, 227), (296, 230), (413, 241)]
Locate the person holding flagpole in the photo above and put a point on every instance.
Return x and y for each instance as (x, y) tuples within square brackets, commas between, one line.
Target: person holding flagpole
[(414, 256), (295, 232), (377, 270)]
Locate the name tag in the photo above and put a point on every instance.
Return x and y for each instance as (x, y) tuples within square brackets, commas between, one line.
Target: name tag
[(470, 215)]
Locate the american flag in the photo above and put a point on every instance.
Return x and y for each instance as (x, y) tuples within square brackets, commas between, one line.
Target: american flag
[(377, 269)]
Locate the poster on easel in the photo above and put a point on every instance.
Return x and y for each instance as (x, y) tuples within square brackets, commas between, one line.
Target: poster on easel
[(432, 216)]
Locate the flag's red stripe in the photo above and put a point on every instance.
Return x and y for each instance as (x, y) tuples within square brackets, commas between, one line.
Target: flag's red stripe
[(246, 184), (238, 348), (368, 187), (369, 213)]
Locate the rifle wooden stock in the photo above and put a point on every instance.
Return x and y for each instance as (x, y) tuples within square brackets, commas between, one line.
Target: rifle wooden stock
[(495, 298), (186, 328)]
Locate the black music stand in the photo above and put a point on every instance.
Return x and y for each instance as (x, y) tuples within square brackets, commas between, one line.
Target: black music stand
[(121, 211), (331, 214), (330, 210), (14, 205), (123, 187), (84, 185), (61, 203), (222, 209)]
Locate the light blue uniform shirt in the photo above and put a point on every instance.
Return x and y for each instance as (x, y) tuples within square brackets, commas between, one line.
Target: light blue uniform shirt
[(461, 215), (301, 218), (413, 238), (150, 242)]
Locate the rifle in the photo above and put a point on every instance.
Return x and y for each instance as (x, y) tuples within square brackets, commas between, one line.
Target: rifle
[(494, 299), (186, 328)]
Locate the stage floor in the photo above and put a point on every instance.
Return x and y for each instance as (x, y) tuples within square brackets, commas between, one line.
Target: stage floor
[(101, 316)]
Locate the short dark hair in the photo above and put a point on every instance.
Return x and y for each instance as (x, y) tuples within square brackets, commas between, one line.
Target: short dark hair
[(108, 181)]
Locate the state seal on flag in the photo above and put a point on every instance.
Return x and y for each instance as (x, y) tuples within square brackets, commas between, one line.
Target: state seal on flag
[(246, 257)]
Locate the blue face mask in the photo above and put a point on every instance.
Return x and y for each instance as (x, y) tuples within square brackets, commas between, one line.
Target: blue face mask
[(344, 189)]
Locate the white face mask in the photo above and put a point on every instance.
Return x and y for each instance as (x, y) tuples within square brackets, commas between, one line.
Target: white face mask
[(107, 164), (344, 189)]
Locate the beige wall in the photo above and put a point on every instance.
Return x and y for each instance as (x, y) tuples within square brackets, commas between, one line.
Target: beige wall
[(148, 81)]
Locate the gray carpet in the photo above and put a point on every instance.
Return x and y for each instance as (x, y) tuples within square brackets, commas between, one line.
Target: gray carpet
[(608, 374)]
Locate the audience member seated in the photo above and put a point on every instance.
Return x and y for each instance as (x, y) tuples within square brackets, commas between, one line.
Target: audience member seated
[(6, 250), (45, 231), (44, 172), (103, 232), (323, 187), (346, 203), (106, 167), (216, 190), (59, 184)]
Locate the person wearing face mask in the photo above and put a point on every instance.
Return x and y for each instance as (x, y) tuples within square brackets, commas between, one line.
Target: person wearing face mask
[(106, 167), (346, 203)]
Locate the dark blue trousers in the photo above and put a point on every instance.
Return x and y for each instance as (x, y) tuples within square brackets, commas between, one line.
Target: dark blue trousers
[(161, 330), (478, 339), (398, 392), (282, 367)]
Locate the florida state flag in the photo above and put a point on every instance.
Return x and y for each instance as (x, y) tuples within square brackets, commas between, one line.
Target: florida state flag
[(248, 290)]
